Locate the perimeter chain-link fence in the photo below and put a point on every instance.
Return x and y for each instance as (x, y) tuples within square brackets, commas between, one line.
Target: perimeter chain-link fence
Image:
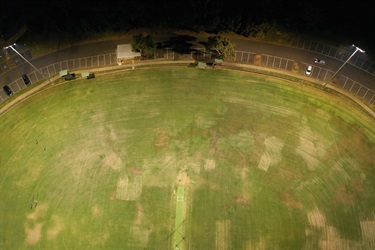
[(244, 57)]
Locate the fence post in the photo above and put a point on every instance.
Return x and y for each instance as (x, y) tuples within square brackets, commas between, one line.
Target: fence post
[(360, 86)]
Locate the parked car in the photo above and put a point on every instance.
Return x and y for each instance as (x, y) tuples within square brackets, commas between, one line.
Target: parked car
[(91, 76), (7, 90), (308, 70), (26, 80), (70, 76), (67, 75), (319, 61)]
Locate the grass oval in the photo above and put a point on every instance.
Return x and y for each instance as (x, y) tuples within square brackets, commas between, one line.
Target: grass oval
[(265, 164)]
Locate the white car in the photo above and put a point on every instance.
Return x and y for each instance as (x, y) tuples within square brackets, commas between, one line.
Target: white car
[(308, 70), (319, 61)]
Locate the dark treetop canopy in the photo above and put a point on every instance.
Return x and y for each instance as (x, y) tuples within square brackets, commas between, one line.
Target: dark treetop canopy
[(352, 21)]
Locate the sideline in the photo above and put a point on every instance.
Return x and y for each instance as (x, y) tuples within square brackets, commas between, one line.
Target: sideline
[(116, 68)]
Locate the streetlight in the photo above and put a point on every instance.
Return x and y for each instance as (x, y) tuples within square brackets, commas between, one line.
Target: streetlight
[(40, 72), (356, 49)]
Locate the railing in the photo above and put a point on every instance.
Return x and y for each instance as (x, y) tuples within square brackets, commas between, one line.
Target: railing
[(246, 57)]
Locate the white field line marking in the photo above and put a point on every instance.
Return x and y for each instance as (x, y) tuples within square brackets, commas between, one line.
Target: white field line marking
[(23, 143)]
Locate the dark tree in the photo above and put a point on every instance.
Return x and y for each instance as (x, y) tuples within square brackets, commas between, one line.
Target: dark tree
[(144, 44), (224, 47)]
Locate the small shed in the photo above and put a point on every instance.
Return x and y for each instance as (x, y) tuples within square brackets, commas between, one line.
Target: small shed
[(63, 73), (217, 62), (67, 75), (124, 52), (201, 65)]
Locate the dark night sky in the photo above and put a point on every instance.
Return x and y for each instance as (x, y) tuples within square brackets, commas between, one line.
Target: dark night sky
[(352, 21)]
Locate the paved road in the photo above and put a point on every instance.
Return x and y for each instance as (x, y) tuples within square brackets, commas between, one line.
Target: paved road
[(304, 56), (105, 47)]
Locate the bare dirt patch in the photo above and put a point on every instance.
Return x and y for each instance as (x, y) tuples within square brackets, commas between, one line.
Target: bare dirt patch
[(129, 188), (331, 240), (183, 179), (55, 229), (138, 219), (209, 164), (112, 196), (272, 153), (135, 170), (33, 234), (316, 218), (307, 151), (247, 188), (162, 138), (38, 212), (265, 161), (290, 201), (112, 160), (368, 231), (112, 136), (96, 211), (349, 193), (241, 200), (33, 230)]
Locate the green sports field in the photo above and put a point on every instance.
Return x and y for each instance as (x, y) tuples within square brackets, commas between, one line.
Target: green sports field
[(263, 164)]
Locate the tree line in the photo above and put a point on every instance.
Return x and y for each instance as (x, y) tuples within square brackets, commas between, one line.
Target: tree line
[(219, 47)]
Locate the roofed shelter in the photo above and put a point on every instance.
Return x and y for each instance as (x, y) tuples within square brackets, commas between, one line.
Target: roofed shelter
[(201, 65), (217, 62), (124, 52), (63, 73)]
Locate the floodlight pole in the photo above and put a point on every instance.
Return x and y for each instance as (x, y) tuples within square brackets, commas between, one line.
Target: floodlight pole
[(356, 49), (40, 72)]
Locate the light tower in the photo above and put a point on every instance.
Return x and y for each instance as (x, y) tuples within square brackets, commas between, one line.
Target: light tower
[(356, 49)]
